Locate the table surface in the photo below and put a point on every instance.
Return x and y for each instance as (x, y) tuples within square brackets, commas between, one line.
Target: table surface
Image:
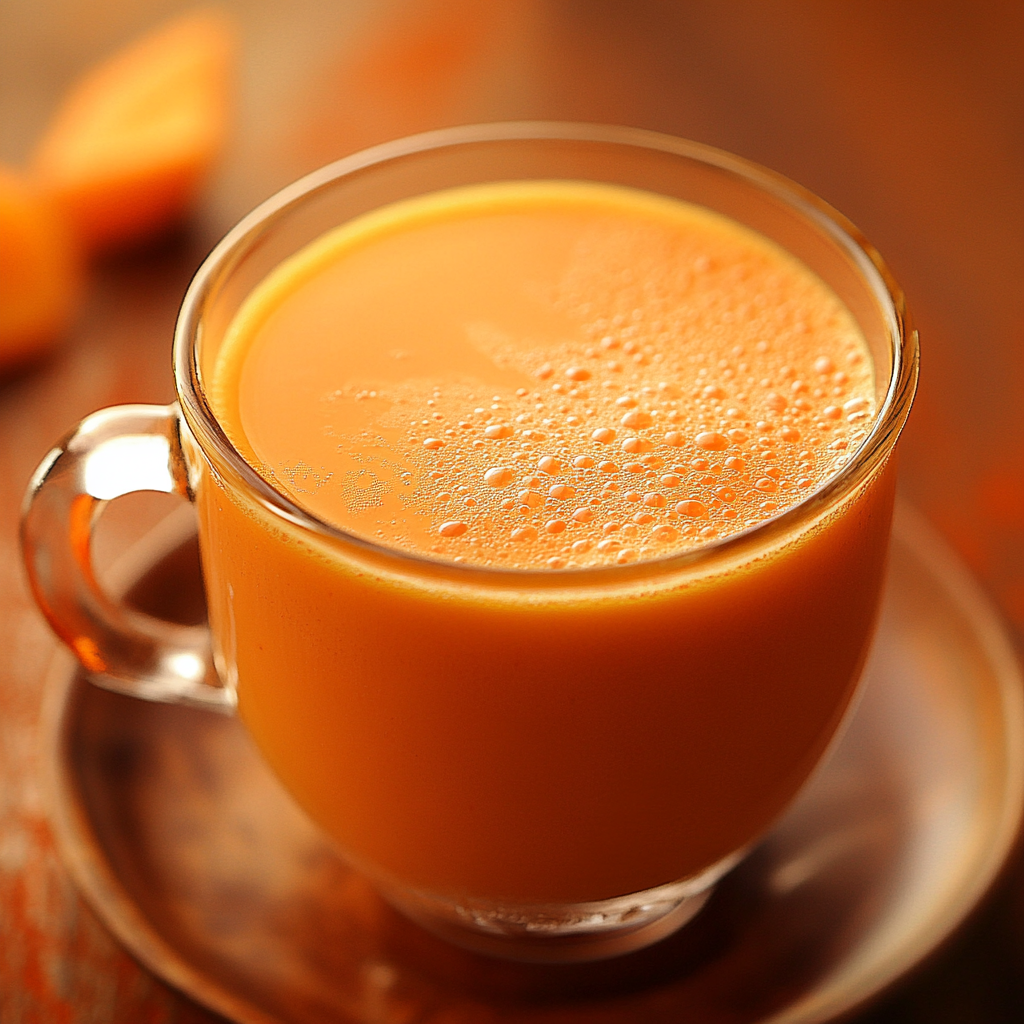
[(907, 117)]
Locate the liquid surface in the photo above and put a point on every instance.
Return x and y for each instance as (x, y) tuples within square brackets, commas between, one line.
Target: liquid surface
[(544, 374)]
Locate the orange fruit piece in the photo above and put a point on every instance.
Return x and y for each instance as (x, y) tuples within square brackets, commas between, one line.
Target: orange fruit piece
[(134, 139), (40, 271)]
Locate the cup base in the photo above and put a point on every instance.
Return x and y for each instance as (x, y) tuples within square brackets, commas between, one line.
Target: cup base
[(551, 934)]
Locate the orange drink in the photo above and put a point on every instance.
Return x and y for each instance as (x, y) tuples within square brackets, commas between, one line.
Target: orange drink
[(457, 377), (544, 478)]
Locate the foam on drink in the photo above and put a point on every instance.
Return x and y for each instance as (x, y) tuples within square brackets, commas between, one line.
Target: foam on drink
[(544, 375)]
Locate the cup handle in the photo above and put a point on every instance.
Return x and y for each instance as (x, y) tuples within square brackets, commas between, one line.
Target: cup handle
[(111, 453)]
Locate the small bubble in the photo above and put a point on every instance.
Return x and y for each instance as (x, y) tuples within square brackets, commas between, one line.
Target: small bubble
[(832, 412), (632, 495), (433, 443), (737, 465), (637, 419), (544, 371), (444, 496), (524, 533), (790, 434), (583, 462), (737, 436), (664, 532), (452, 529), (625, 556), (577, 373), (766, 483), (555, 526), (563, 492), (655, 500), (804, 482), (824, 365), (643, 518), (635, 467), (636, 445), (469, 501), (581, 547), (608, 545), (555, 562), (608, 467), (500, 476), (708, 532), (508, 504), (611, 527), (797, 386), (530, 498), (603, 435), (725, 494), (674, 438), (497, 430), (550, 465), (583, 515), (775, 402), (692, 508), (768, 506), (670, 480), (626, 402), (699, 464), (713, 391), (711, 441)]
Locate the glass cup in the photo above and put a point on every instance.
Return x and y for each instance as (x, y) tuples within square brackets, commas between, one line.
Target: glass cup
[(551, 765)]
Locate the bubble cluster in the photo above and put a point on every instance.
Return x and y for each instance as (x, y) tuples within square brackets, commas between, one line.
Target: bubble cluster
[(709, 446)]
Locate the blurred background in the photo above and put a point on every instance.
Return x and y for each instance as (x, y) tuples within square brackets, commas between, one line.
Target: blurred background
[(906, 116)]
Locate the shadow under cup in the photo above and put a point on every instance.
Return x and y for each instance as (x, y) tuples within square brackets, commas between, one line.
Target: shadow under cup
[(550, 765)]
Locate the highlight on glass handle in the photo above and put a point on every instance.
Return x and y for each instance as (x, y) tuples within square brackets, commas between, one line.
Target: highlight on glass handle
[(111, 453)]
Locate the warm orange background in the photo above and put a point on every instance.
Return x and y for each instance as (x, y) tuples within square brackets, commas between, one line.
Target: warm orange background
[(909, 117)]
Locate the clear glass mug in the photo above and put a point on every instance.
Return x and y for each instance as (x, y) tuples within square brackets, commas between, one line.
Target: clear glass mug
[(542, 815)]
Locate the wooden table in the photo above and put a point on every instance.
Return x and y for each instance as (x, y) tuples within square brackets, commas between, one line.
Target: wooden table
[(908, 118)]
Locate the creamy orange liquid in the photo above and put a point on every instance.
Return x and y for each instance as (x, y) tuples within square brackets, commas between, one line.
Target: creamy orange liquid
[(542, 376)]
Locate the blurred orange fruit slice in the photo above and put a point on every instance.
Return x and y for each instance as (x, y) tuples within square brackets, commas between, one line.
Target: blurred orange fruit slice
[(128, 149), (40, 273)]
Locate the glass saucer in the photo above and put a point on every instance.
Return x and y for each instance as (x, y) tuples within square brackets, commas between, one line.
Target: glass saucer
[(191, 853)]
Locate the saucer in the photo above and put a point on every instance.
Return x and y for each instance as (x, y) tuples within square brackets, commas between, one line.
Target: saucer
[(189, 850)]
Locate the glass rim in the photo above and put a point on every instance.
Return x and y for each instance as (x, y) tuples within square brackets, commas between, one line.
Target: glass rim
[(886, 426)]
